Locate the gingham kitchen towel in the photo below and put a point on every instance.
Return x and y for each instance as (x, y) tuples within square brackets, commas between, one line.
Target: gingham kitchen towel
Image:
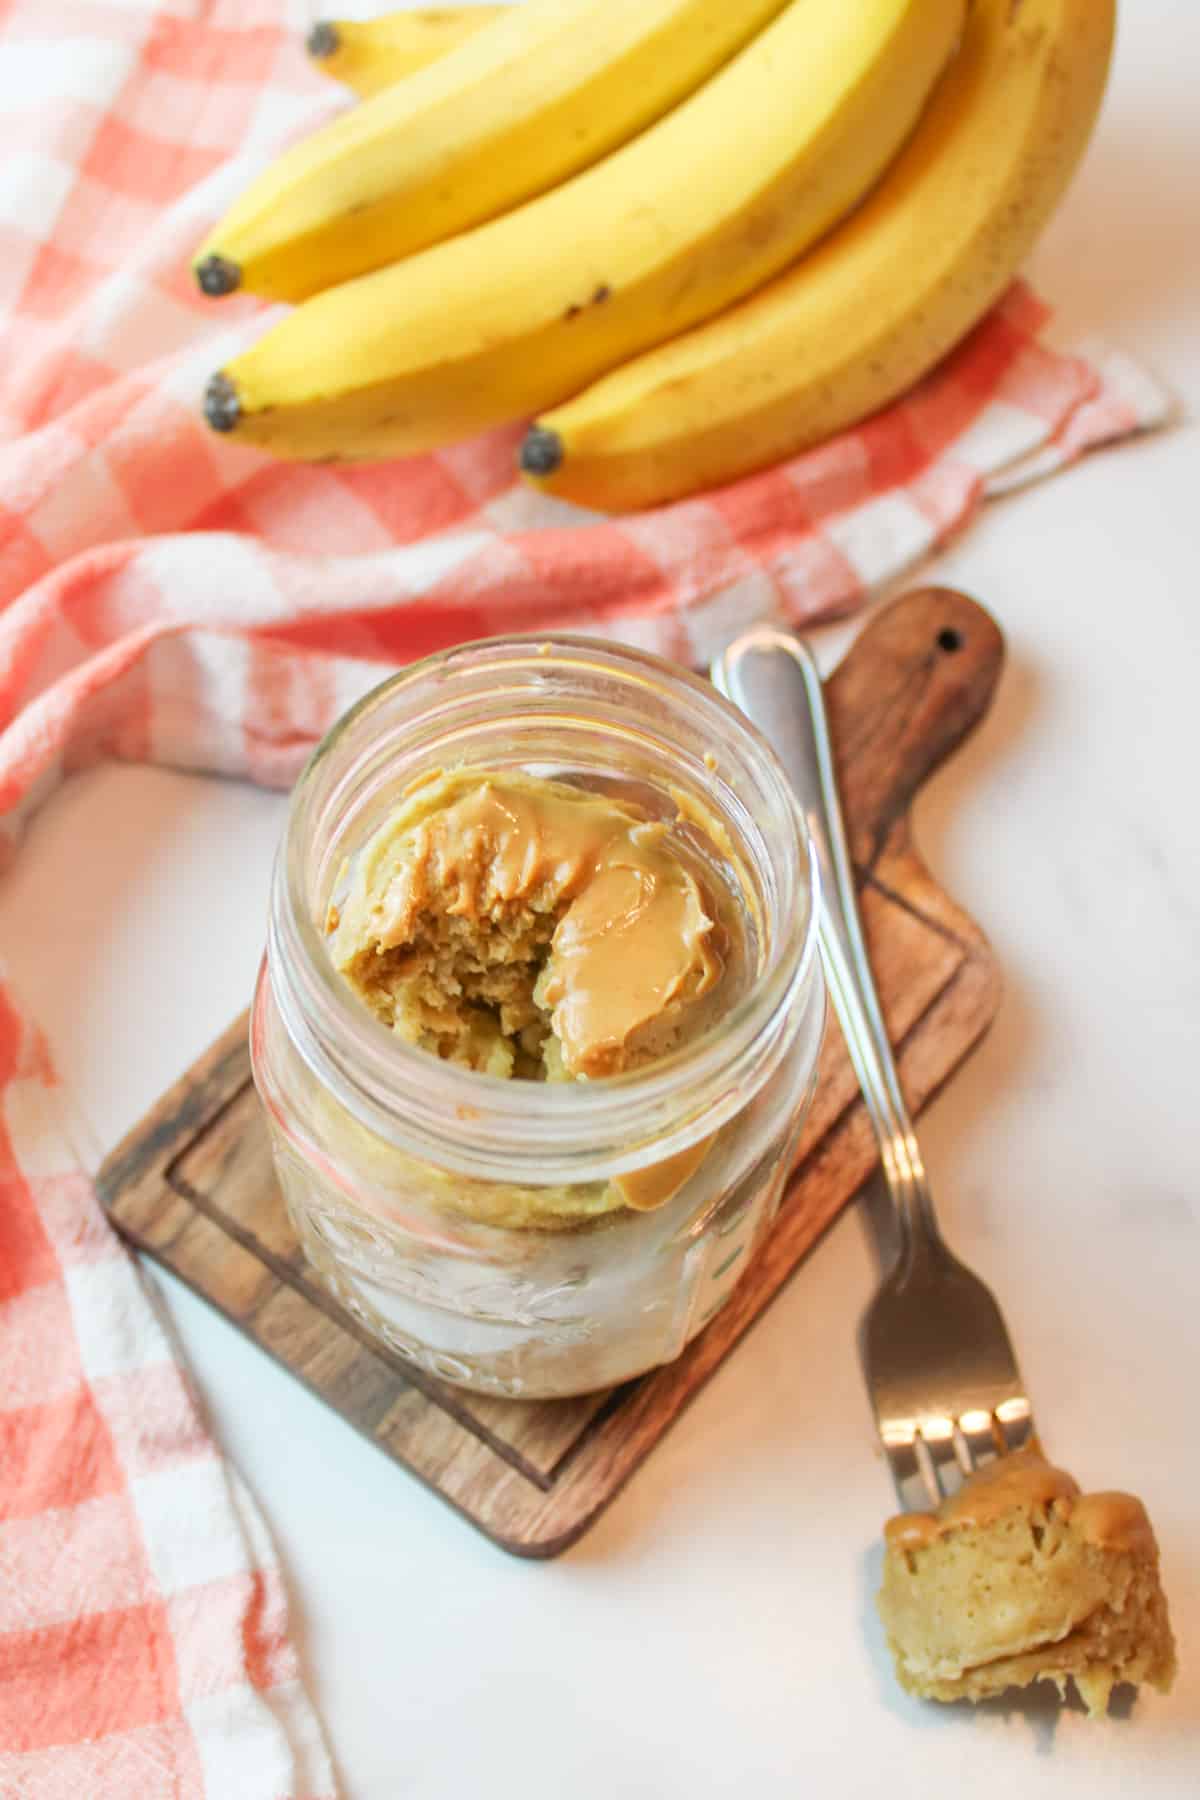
[(168, 596), (143, 1625)]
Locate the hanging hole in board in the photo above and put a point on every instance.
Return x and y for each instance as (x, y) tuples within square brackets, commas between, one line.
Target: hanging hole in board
[(949, 640)]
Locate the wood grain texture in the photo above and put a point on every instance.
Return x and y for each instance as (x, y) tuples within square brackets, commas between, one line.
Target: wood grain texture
[(193, 1185)]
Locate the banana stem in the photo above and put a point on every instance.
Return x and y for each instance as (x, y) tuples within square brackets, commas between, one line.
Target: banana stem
[(541, 452)]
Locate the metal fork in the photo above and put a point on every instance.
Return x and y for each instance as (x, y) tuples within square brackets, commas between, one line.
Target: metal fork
[(940, 1368)]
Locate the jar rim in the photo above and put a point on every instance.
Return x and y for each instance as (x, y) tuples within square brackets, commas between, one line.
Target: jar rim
[(467, 1119)]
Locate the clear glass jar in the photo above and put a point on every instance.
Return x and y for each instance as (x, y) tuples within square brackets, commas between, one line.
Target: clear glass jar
[(390, 1159)]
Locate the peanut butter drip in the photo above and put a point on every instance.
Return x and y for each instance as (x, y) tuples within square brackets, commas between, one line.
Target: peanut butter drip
[(1115, 1522), (626, 942), (1025, 1482)]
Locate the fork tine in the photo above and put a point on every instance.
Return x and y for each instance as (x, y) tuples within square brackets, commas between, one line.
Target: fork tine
[(937, 1437), (981, 1437), (912, 1470), (930, 1461), (962, 1450), (1015, 1420)]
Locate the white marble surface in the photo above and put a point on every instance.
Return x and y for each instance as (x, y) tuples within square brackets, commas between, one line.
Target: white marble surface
[(715, 1633)]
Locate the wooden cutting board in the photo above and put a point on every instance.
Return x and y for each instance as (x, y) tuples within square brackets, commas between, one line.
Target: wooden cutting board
[(193, 1185)]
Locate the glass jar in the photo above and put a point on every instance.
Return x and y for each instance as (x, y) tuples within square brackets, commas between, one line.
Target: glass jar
[(392, 1161)]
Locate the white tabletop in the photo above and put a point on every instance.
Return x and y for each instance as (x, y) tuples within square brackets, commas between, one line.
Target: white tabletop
[(715, 1632)]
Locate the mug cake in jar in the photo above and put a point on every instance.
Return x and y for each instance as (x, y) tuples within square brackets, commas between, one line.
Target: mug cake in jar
[(540, 1010)]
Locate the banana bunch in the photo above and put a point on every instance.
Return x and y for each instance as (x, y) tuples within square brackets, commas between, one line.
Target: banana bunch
[(542, 91), (689, 237)]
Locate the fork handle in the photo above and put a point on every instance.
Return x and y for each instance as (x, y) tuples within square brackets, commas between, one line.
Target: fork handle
[(772, 676)]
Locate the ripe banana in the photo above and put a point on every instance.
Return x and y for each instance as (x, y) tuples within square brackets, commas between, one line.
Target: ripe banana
[(370, 54), (546, 89), (878, 303), (697, 212)]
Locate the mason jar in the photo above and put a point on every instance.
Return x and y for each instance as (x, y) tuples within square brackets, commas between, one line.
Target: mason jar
[(474, 1224)]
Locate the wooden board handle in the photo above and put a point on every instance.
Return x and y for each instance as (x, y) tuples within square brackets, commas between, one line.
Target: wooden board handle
[(917, 679)]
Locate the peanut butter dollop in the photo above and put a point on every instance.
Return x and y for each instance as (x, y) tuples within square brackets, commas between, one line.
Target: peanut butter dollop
[(525, 926)]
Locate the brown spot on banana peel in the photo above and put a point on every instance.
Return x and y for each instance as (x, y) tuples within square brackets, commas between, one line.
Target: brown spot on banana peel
[(599, 295), (761, 228)]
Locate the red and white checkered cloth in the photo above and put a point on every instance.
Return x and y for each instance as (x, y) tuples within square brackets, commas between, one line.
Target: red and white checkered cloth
[(168, 596), (143, 1625)]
